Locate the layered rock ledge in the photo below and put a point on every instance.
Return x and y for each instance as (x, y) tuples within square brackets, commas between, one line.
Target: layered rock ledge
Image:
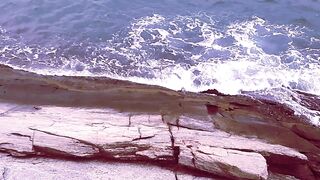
[(58, 123)]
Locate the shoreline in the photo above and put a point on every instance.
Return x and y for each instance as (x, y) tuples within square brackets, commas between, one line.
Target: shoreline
[(207, 132)]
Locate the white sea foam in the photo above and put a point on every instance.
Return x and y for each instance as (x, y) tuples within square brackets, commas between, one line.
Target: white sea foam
[(248, 68), (187, 52)]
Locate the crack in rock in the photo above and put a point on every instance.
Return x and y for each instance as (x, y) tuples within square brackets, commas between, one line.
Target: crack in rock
[(139, 131), (176, 149), (129, 124), (181, 126), (171, 135), (193, 156), (94, 146), (5, 143), (22, 135), (141, 137), (4, 173), (176, 175), (125, 151), (9, 110)]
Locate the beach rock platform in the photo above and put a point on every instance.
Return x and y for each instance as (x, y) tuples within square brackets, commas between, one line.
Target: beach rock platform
[(59, 127)]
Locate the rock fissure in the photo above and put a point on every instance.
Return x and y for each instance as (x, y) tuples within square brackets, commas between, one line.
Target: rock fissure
[(85, 142), (9, 110), (5, 143), (142, 138), (139, 131), (129, 122), (176, 176), (21, 135), (4, 173), (100, 149), (194, 158), (175, 148), (181, 126)]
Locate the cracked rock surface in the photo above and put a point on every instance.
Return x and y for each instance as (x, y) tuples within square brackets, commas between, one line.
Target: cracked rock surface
[(48, 168), (98, 128)]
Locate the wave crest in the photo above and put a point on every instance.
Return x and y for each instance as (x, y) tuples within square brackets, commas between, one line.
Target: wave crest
[(191, 52)]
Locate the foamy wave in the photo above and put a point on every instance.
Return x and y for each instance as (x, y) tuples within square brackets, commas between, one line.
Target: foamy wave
[(184, 52), (194, 53), (241, 62)]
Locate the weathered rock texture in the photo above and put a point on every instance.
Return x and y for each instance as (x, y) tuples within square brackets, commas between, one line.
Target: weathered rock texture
[(77, 118), (49, 169)]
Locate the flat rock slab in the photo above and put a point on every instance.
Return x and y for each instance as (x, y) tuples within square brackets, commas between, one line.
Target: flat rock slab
[(50, 169), (88, 133), (224, 162), (61, 146), (217, 138)]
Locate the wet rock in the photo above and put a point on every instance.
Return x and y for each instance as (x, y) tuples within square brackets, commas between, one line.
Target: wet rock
[(196, 123), (275, 176), (301, 171), (252, 124), (307, 132)]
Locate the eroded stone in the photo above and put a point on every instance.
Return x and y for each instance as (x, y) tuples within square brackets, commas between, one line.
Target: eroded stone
[(230, 163)]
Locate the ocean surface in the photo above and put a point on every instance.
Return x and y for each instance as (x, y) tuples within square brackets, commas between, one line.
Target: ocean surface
[(233, 46)]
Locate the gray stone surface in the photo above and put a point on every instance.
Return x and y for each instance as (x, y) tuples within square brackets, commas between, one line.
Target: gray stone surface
[(53, 169)]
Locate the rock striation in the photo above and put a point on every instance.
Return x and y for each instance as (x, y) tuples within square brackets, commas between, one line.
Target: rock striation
[(100, 121)]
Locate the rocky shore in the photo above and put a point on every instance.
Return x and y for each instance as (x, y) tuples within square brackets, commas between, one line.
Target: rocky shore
[(92, 127)]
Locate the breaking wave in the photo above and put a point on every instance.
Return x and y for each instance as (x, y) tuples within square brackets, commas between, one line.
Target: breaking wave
[(195, 53)]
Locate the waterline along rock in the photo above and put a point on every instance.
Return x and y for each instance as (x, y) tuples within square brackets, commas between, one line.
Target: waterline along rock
[(94, 127)]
